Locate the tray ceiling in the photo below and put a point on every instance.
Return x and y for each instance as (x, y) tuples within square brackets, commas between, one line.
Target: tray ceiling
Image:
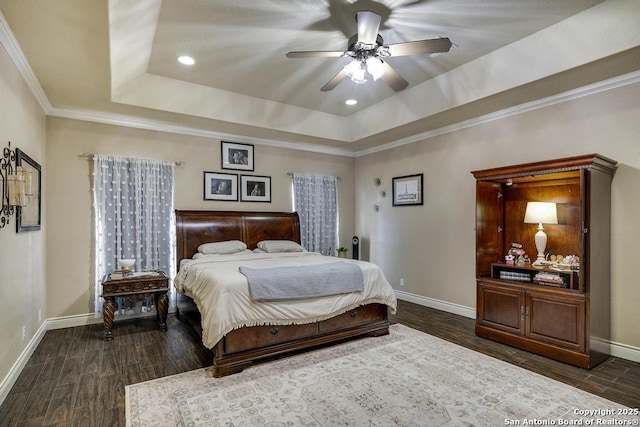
[(119, 58)]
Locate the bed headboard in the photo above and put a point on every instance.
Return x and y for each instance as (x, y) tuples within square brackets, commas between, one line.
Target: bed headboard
[(194, 228)]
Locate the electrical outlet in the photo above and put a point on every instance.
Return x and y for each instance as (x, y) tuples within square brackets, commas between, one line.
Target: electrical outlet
[(40, 315), (401, 282), (24, 333)]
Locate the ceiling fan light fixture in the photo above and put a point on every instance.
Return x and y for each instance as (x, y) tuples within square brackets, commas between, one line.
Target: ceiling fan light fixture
[(374, 67), (356, 70), (367, 51)]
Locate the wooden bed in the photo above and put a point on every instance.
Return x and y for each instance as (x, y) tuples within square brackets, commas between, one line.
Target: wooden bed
[(242, 347)]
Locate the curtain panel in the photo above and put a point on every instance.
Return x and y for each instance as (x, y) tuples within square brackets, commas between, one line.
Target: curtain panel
[(133, 216), (316, 201)]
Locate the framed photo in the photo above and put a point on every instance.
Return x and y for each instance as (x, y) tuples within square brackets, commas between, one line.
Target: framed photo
[(221, 186), (255, 188), (29, 217), (237, 156), (407, 190)]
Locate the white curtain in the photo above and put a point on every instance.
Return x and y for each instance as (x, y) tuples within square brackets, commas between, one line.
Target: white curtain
[(133, 217), (316, 201)]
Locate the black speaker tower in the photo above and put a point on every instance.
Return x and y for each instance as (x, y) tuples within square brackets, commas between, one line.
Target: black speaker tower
[(355, 250)]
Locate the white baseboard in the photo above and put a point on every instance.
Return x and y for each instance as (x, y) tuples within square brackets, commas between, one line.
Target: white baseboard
[(460, 310), (623, 351), (89, 319), (72, 321), (11, 378)]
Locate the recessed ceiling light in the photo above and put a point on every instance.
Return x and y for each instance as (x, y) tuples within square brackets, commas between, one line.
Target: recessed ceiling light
[(186, 60), (351, 102)]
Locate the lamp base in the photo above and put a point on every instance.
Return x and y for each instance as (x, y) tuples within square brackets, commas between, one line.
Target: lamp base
[(539, 262), (541, 244)]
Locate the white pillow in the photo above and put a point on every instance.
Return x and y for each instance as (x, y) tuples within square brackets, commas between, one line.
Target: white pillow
[(200, 255), (228, 247), (272, 246)]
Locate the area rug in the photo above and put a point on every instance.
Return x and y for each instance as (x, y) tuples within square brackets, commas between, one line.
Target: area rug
[(405, 378)]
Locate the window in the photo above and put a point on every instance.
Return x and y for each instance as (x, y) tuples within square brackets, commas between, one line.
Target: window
[(133, 218), (315, 200)]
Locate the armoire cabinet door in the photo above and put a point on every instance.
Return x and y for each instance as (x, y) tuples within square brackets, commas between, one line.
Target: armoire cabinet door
[(489, 224), (557, 320), (501, 307)]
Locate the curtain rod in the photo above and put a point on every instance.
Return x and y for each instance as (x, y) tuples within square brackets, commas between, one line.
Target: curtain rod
[(90, 156), (291, 175)]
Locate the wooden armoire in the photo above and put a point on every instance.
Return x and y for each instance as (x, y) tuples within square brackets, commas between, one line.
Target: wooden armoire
[(568, 318)]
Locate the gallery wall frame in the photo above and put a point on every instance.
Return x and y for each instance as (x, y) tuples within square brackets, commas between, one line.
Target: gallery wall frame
[(221, 186), (29, 217), (237, 156), (407, 190), (254, 188)]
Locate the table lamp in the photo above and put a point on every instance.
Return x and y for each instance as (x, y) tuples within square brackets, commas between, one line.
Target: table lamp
[(540, 213)]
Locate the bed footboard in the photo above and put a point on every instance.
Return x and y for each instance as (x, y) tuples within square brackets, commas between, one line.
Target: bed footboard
[(243, 347)]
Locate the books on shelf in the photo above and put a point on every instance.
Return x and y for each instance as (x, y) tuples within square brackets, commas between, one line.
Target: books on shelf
[(515, 276), (550, 279)]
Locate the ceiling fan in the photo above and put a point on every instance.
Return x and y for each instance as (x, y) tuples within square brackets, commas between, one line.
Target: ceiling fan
[(368, 50)]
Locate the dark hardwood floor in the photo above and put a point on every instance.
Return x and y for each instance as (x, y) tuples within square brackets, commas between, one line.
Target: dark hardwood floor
[(74, 378)]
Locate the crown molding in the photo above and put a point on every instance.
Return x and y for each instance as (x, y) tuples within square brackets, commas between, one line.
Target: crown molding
[(159, 126), (14, 51), (591, 89), (9, 42), (135, 122)]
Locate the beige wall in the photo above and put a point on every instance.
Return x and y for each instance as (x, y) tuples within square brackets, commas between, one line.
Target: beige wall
[(22, 256), (70, 287), (432, 246)]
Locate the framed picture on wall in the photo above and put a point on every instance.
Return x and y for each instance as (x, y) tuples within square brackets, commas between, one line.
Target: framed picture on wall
[(237, 156), (407, 190), (29, 216), (221, 186), (255, 188)]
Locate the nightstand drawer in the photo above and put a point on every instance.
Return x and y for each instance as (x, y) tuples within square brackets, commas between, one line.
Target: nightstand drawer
[(126, 286), (139, 283)]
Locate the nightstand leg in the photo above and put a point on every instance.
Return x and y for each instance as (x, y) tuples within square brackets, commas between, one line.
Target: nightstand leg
[(107, 313), (162, 306)]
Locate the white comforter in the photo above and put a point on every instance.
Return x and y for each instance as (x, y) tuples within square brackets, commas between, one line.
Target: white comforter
[(222, 293)]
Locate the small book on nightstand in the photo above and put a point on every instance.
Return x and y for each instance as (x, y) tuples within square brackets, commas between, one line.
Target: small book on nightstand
[(121, 274), (127, 274)]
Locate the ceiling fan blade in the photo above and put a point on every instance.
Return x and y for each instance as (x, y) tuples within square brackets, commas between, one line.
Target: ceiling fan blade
[(368, 26), (420, 47), (315, 54), (392, 78), (334, 81)]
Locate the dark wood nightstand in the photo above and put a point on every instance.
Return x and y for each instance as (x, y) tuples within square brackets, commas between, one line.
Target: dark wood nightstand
[(135, 288)]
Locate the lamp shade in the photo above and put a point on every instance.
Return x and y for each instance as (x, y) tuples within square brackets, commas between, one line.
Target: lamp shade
[(541, 213)]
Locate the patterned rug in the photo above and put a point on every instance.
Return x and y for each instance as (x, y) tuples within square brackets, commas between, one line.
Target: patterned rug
[(406, 378)]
